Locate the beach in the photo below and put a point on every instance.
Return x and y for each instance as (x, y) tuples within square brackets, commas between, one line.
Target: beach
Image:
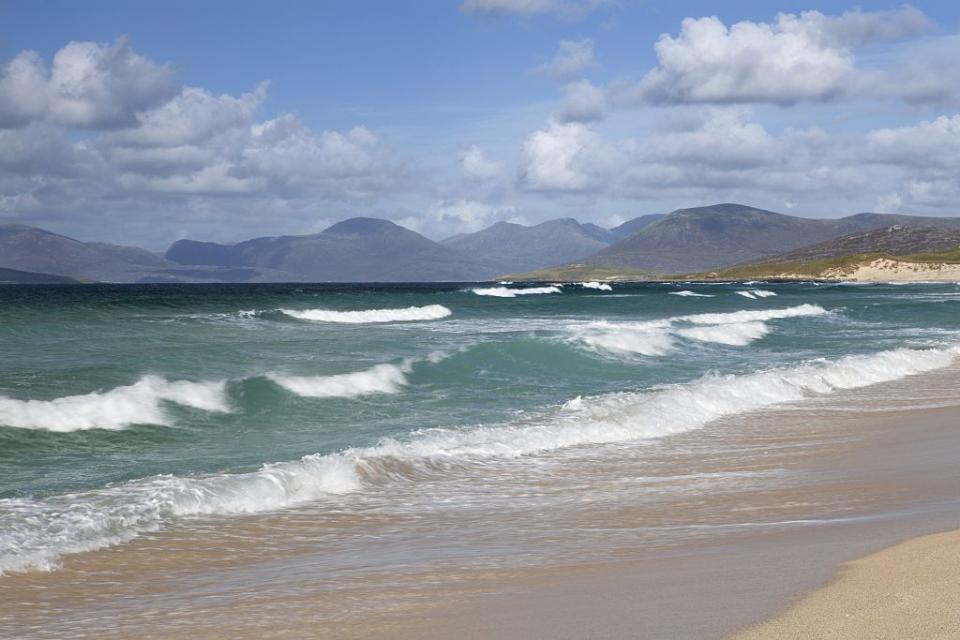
[(911, 590), (866, 471)]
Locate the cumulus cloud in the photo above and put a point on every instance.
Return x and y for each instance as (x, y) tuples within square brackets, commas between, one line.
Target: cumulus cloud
[(798, 57), (928, 156), (572, 58), (475, 166), (89, 85), (698, 153), (567, 157), (582, 102), (168, 159), (563, 8), (464, 215)]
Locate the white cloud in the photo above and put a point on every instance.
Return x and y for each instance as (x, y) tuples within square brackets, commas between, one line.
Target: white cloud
[(572, 58), (805, 57), (475, 166), (927, 156), (192, 157), (464, 215), (582, 102), (568, 157), (89, 85), (930, 144)]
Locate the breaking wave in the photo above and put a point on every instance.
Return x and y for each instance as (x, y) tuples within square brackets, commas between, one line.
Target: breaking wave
[(754, 294), (599, 286), (139, 403), (657, 337), (506, 292), (408, 314), (691, 294), (382, 378), (34, 534)]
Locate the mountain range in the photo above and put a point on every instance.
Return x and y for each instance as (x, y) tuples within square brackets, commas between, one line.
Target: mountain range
[(375, 250)]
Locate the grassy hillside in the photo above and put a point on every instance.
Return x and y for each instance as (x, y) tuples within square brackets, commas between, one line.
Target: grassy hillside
[(827, 266)]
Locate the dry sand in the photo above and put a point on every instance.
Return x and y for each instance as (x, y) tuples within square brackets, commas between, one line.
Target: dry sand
[(883, 270), (911, 590), (890, 270)]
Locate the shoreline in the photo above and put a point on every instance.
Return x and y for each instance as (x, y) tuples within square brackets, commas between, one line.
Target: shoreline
[(837, 482), (909, 590), (719, 589)]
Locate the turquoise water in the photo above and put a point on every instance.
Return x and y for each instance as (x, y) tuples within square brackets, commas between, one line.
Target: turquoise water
[(124, 409)]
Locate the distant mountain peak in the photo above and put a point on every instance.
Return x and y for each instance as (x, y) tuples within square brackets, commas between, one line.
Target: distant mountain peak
[(362, 226)]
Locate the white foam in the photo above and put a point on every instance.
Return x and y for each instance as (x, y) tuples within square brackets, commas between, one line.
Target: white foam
[(643, 338), (656, 337), (381, 378), (139, 403), (35, 533), (599, 286), (749, 315), (736, 334), (753, 294), (408, 314), (691, 294), (505, 292)]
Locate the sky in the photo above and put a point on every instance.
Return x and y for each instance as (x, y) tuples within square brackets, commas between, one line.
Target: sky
[(146, 122)]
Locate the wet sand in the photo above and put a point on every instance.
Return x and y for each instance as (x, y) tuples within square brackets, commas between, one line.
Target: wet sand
[(713, 590), (695, 536)]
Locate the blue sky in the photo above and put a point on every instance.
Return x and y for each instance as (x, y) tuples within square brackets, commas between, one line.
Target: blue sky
[(224, 120)]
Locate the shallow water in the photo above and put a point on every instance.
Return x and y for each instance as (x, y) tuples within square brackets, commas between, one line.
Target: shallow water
[(223, 436)]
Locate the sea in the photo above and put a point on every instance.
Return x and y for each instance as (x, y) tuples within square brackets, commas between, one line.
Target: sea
[(273, 434)]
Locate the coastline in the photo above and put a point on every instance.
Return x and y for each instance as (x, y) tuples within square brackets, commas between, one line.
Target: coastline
[(853, 477), (738, 585), (910, 590)]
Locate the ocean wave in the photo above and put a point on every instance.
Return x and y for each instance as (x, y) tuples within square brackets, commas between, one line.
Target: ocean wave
[(139, 403), (408, 314), (657, 337), (643, 338), (34, 534), (737, 334), (381, 378), (506, 292), (750, 315), (691, 294), (599, 286), (754, 294)]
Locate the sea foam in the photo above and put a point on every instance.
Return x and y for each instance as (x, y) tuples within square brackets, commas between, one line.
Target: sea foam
[(657, 337), (139, 403), (753, 294), (408, 314), (599, 286), (381, 378), (506, 292), (691, 294), (34, 534)]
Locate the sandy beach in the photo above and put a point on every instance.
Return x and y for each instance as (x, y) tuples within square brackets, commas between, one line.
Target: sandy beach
[(822, 486), (911, 590)]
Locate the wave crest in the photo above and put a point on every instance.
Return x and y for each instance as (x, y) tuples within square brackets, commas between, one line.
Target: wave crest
[(599, 286), (656, 337), (139, 403), (381, 378), (754, 294), (35, 533), (506, 292), (408, 314)]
